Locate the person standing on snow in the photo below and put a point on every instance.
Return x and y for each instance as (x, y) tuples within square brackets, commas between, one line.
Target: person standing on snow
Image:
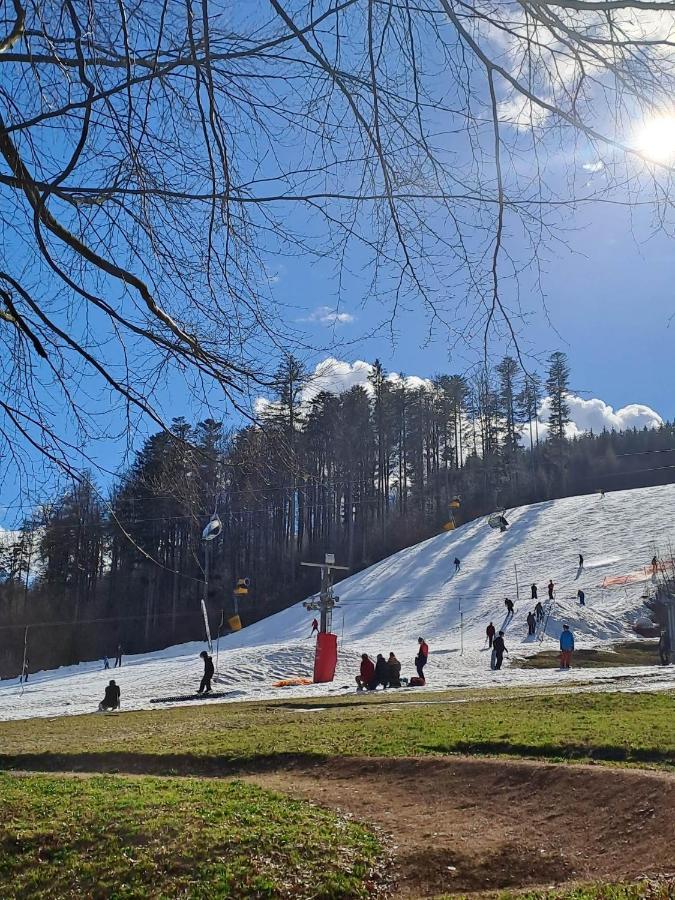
[(499, 649), (581, 561), (205, 684), (566, 647), (664, 647), (106, 662), (655, 564), (539, 611), (531, 623), (490, 632), (509, 607), (366, 676), (457, 564), (315, 627), (534, 591), (422, 656), (582, 597), (550, 589), (118, 657)]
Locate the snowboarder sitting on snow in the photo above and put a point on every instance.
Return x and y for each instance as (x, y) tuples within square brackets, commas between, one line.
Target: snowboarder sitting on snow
[(566, 647), (205, 684), (582, 597), (664, 648), (539, 611), (551, 586), (394, 671), (509, 606), (111, 698), (422, 656), (531, 622), (381, 671), (499, 649), (457, 564), (490, 632), (534, 591), (366, 678)]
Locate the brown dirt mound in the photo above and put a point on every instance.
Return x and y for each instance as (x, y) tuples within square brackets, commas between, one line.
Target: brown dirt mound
[(480, 825)]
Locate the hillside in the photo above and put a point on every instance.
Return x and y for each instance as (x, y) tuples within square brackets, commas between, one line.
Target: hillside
[(416, 592)]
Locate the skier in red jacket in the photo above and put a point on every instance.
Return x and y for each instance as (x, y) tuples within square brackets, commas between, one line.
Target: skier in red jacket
[(366, 678)]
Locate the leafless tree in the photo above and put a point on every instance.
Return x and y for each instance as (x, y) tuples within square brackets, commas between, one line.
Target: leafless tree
[(158, 157)]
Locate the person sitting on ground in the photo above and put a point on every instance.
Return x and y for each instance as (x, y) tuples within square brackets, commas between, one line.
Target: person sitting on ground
[(490, 632), (366, 677), (205, 684), (394, 671), (664, 647), (499, 649), (381, 671), (422, 656), (566, 647), (111, 698), (539, 611)]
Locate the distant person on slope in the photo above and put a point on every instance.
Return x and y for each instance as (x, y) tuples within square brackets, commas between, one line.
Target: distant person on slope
[(582, 597), (118, 657), (499, 649), (531, 623), (106, 662), (366, 677), (111, 698), (205, 684), (539, 611), (394, 671), (551, 586), (422, 656), (566, 647), (664, 647), (381, 671), (534, 591), (581, 561), (490, 632), (655, 564), (509, 607), (457, 564), (503, 524), (315, 627)]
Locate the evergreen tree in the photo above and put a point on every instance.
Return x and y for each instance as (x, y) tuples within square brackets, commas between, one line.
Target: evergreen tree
[(557, 385)]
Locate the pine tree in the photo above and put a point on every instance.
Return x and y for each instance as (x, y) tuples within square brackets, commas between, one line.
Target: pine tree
[(557, 385)]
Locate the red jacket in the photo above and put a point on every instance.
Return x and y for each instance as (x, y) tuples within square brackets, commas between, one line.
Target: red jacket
[(367, 670), (424, 649)]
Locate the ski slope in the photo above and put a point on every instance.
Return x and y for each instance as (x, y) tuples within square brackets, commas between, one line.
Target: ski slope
[(417, 593)]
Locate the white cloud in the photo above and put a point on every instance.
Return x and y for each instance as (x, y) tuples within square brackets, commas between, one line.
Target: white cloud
[(326, 315), (337, 376), (596, 166), (520, 112), (596, 415)]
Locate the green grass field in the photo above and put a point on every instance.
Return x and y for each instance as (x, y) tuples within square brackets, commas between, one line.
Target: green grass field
[(628, 653), (631, 728), (113, 837)]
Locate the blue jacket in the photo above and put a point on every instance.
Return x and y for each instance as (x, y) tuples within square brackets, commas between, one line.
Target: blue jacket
[(567, 640)]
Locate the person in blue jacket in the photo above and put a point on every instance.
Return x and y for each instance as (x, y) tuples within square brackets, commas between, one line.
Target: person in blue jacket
[(566, 647)]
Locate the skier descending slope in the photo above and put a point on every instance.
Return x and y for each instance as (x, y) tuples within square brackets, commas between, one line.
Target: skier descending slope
[(457, 564), (490, 632), (509, 608)]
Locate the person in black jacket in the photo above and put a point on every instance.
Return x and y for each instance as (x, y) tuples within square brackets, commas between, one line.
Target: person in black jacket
[(457, 564), (205, 685), (534, 591), (111, 698), (539, 611), (394, 671), (531, 623), (499, 649), (381, 671), (509, 607)]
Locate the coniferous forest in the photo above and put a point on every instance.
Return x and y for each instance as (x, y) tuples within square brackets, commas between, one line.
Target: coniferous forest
[(360, 474)]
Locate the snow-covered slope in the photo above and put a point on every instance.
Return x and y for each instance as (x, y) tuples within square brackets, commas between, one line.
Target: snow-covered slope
[(416, 592)]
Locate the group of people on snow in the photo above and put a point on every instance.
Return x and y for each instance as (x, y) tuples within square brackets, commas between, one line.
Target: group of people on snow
[(387, 672)]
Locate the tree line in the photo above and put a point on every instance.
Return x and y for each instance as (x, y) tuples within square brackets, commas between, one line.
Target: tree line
[(361, 474)]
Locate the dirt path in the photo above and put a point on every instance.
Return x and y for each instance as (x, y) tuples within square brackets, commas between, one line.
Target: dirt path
[(477, 825)]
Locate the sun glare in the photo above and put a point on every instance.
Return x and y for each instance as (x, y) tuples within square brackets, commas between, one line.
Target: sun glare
[(656, 139)]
